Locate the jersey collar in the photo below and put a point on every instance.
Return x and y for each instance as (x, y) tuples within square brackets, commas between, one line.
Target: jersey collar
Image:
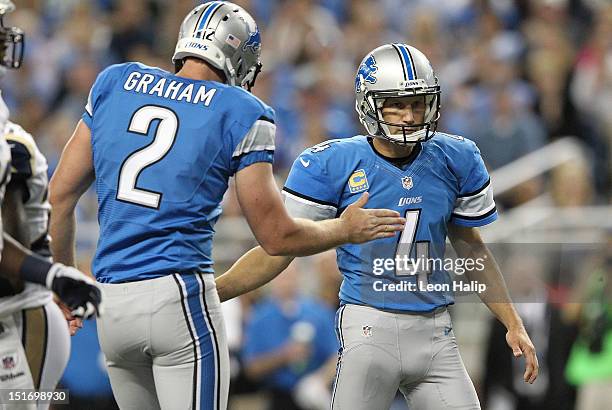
[(401, 163)]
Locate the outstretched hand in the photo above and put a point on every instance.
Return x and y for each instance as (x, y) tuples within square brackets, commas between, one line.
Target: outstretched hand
[(363, 225)]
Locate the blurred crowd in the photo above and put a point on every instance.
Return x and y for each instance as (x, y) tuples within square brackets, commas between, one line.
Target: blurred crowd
[(515, 76)]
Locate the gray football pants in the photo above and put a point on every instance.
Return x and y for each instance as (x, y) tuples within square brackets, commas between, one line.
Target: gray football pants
[(165, 345), (416, 353)]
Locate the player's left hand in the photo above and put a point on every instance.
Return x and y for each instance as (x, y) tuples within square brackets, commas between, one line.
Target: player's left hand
[(521, 345)]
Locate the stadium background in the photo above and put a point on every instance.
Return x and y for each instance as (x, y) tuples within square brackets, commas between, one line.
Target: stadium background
[(518, 77)]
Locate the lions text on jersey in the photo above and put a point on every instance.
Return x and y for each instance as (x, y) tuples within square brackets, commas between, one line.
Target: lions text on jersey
[(164, 148), (444, 182)]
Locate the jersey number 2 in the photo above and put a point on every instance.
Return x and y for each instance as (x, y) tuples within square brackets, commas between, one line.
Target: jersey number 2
[(145, 157)]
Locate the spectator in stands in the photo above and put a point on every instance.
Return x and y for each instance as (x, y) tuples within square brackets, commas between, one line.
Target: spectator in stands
[(525, 272), (590, 363), (291, 347)]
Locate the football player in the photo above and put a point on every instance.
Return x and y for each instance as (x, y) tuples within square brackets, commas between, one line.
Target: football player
[(77, 291), (27, 311), (393, 325), (161, 148), (34, 341)]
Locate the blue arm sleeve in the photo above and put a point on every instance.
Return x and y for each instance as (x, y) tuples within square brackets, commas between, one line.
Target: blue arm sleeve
[(97, 92), (310, 180), (252, 131), (474, 205)]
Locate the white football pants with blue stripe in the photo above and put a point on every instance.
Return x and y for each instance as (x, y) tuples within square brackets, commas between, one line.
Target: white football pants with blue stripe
[(165, 345), (416, 353)]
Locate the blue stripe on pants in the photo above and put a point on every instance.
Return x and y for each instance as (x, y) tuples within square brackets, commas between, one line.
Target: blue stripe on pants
[(207, 362)]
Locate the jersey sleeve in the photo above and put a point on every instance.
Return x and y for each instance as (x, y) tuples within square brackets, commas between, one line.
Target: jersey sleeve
[(21, 160), (24, 155), (309, 191), (256, 146), (474, 205), (252, 133), (98, 90)]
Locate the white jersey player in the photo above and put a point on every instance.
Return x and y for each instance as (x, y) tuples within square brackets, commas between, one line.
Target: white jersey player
[(18, 263), (34, 338), (26, 194)]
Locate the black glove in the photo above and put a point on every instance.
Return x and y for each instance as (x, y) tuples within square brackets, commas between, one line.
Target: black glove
[(76, 290)]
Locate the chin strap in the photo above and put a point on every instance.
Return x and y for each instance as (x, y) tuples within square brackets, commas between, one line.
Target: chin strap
[(230, 72), (411, 138)]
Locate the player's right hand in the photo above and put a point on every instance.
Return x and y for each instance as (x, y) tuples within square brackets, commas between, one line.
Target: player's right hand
[(364, 225), (521, 345), (80, 293)]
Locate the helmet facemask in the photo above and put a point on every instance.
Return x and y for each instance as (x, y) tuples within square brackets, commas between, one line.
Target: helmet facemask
[(248, 79), (12, 45), (373, 102)]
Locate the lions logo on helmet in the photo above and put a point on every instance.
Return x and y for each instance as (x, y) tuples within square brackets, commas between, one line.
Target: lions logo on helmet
[(395, 71), (254, 42), (367, 69)]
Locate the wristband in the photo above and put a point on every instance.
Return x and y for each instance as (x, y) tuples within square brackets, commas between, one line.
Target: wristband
[(35, 269)]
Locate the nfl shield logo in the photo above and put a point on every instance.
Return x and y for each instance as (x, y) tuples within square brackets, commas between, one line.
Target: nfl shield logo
[(407, 182), (366, 330), (8, 362)]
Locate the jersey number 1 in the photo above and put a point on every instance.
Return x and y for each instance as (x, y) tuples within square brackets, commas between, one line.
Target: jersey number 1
[(145, 157)]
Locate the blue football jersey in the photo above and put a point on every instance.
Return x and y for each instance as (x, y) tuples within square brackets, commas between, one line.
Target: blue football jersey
[(163, 149), (445, 181)]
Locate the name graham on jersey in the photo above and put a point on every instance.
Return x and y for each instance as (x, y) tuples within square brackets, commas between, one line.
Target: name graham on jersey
[(170, 89)]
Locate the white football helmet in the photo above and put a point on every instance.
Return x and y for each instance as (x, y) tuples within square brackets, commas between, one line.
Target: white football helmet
[(391, 71), (224, 35), (11, 39)]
